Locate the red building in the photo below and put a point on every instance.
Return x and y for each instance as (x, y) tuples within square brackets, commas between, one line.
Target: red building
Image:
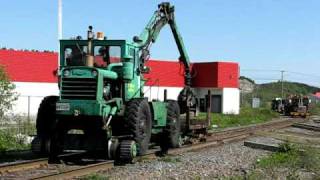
[(34, 76)]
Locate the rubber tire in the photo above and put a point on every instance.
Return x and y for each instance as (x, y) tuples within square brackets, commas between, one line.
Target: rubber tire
[(172, 132), (138, 123), (56, 146), (46, 121), (46, 117)]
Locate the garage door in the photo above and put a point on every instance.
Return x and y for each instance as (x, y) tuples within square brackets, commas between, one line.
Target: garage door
[(216, 103)]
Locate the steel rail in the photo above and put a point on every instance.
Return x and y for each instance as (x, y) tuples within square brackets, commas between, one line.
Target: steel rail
[(30, 164), (24, 165)]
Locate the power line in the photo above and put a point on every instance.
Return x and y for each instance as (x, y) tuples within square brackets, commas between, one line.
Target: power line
[(290, 75), (304, 74), (284, 71), (265, 70)]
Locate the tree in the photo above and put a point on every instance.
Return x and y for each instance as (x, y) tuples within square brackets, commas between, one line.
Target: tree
[(7, 94)]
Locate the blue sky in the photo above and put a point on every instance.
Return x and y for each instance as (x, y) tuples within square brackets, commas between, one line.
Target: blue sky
[(259, 34)]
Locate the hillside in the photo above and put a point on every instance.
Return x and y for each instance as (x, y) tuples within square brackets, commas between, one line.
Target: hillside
[(246, 84), (267, 91), (288, 88)]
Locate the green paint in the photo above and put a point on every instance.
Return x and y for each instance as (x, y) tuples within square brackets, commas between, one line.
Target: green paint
[(127, 71), (159, 110), (117, 74), (85, 107)]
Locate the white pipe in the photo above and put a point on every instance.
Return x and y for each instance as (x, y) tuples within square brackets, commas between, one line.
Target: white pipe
[(59, 28), (109, 120), (60, 19)]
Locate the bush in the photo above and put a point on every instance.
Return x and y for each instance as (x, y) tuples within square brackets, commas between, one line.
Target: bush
[(7, 94), (12, 136), (10, 140), (17, 135)]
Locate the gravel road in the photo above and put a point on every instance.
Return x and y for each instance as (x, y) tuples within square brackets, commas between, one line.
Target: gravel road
[(218, 162)]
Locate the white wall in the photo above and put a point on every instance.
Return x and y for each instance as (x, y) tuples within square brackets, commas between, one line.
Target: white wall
[(155, 92), (231, 101), (31, 95), (230, 98)]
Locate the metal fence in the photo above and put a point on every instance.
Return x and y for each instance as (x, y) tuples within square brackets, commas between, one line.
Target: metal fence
[(27, 106), (19, 122), (17, 126)]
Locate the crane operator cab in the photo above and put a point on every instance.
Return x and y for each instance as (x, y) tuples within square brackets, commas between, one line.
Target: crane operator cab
[(75, 55)]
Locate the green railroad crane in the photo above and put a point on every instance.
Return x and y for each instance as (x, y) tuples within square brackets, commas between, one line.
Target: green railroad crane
[(101, 105)]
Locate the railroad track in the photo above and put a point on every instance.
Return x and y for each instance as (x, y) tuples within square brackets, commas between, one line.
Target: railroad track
[(11, 167), (24, 165), (215, 138)]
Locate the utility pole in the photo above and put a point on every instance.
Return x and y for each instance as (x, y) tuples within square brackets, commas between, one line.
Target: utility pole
[(59, 28), (59, 19), (282, 72)]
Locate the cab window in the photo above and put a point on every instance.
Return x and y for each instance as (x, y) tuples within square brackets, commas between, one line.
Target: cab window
[(104, 55), (74, 55)]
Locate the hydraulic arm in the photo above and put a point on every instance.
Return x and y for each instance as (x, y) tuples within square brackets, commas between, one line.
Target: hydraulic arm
[(164, 15)]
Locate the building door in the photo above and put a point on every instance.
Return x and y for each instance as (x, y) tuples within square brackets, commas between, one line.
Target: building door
[(216, 103), (202, 105)]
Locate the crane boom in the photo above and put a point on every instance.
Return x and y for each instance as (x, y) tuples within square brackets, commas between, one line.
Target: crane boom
[(161, 17)]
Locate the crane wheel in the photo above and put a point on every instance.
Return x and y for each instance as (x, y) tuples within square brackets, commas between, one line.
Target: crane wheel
[(45, 123), (171, 137), (128, 150), (36, 145), (137, 123)]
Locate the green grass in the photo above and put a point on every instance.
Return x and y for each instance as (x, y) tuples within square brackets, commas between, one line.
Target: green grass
[(315, 109), (246, 116), (293, 160), (288, 158), (293, 156), (288, 163)]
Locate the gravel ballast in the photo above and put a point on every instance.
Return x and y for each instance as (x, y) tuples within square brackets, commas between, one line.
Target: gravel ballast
[(224, 161)]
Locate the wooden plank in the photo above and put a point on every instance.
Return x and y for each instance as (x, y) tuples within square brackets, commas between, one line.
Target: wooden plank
[(306, 126), (265, 143)]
